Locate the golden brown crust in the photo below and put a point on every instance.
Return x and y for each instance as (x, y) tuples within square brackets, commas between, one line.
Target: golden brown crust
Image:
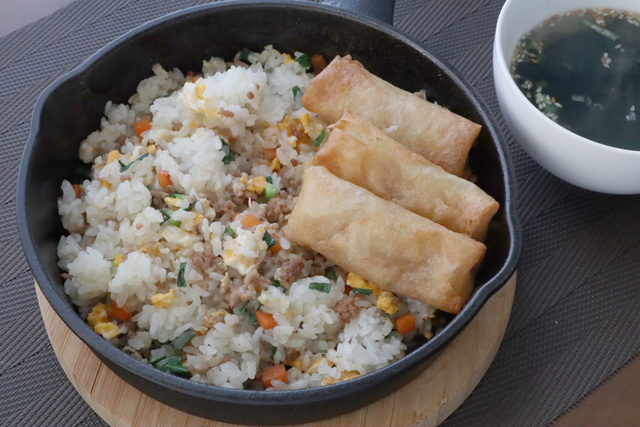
[(362, 154), (434, 132), (398, 250)]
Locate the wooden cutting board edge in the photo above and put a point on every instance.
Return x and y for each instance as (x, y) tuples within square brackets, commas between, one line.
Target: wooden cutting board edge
[(425, 402)]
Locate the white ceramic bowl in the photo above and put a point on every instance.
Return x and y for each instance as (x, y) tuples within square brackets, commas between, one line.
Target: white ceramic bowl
[(575, 159)]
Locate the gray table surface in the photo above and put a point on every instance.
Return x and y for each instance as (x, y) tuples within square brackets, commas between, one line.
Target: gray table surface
[(576, 315)]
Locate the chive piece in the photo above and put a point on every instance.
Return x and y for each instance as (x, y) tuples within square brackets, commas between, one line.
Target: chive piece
[(183, 339), (330, 273), (165, 217), (297, 94), (304, 60), (178, 196), (87, 95), (269, 240), (191, 205), (270, 191), (165, 361), (269, 179), (179, 370), (248, 384), (320, 139), (229, 232), (174, 222), (320, 287), (124, 168), (360, 291), (276, 283), (149, 187), (244, 308), (244, 54), (273, 352), (181, 282), (229, 154)]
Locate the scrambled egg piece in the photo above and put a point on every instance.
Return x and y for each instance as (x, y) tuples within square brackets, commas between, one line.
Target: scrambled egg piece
[(107, 329), (256, 184), (98, 314), (304, 119), (150, 248), (275, 164), (105, 183), (113, 156), (297, 364), (313, 368), (173, 201), (387, 301), (163, 300), (197, 219), (118, 260), (287, 59), (346, 375)]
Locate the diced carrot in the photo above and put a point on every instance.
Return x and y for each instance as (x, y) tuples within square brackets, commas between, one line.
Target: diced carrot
[(406, 323), (164, 179), (266, 320), (141, 126), (189, 75), (270, 153), (233, 217), (195, 79), (249, 221), (318, 62), (347, 289), (120, 312), (78, 189), (276, 248), (273, 373)]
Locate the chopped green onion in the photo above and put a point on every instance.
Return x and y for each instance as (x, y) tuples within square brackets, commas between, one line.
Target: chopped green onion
[(320, 139), (330, 273), (360, 291), (167, 218), (252, 315), (320, 287), (244, 54), (229, 154), (181, 282), (248, 384), (244, 308), (276, 283), (273, 352), (87, 95), (191, 205), (269, 240), (178, 196), (179, 370), (174, 222), (229, 232), (270, 191), (183, 339), (297, 94), (269, 179), (167, 360), (124, 168), (149, 187), (304, 60)]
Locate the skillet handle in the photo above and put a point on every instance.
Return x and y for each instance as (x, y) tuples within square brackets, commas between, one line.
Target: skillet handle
[(382, 10)]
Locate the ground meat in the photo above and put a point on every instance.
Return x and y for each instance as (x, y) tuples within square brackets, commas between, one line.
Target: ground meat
[(318, 266), (346, 308), (289, 271), (280, 206), (213, 317), (157, 197), (256, 280), (224, 207), (291, 356), (207, 262), (66, 276), (234, 290)]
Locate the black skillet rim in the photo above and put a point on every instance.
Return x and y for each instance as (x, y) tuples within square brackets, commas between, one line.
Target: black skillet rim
[(286, 397)]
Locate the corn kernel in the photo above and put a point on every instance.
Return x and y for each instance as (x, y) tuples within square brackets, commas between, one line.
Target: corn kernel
[(151, 149)]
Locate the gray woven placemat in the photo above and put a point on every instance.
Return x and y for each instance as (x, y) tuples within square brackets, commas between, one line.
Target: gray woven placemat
[(576, 316)]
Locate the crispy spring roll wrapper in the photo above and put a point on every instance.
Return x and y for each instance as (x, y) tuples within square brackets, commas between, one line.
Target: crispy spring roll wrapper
[(361, 153), (425, 128), (399, 251)]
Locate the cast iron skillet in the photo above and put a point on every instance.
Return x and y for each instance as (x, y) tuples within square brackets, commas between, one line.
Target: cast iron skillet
[(71, 107)]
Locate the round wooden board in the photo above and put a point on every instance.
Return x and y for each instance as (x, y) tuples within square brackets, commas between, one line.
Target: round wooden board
[(426, 401)]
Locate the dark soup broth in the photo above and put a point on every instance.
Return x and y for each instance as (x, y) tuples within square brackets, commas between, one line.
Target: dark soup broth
[(582, 70)]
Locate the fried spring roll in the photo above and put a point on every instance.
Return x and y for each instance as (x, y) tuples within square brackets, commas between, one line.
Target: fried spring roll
[(361, 153), (425, 128), (399, 251)]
